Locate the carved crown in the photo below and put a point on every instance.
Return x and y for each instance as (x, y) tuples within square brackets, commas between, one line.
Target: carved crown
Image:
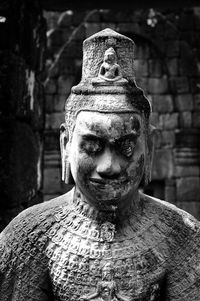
[(117, 95)]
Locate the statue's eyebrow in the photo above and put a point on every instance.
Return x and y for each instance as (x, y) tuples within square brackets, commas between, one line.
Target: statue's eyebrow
[(92, 137), (130, 136)]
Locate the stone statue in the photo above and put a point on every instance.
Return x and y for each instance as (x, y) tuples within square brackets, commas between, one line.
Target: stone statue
[(104, 239)]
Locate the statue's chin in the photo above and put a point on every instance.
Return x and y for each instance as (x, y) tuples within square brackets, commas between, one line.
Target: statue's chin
[(108, 206), (109, 197)]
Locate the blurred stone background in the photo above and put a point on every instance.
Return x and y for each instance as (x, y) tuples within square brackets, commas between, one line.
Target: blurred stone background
[(41, 59)]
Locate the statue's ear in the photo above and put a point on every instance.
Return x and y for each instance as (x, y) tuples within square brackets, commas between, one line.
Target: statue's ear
[(149, 156), (151, 140), (64, 147), (150, 151)]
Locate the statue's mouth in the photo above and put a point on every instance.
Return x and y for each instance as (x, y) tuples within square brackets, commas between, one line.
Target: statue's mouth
[(109, 181), (109, 191)]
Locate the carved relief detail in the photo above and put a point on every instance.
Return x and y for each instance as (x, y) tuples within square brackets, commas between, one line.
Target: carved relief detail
[(79, 261), (107, 288), (110, 71), (107, 231)]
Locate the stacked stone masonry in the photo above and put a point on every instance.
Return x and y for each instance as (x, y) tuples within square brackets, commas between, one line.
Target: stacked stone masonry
[(167, 60)]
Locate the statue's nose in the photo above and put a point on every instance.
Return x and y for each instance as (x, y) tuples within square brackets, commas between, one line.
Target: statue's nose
[(108, 164)]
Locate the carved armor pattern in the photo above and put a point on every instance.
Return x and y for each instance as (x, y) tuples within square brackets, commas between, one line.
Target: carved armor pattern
[(149, 253)]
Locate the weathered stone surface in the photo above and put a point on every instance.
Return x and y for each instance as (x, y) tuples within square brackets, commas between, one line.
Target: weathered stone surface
[(157, 138), (163, 166), (196, 119), (155, 68), (162, 103), (170, 191), (154, 119), (168, 121), (184, 102), (188, 189), (187, 156), (188, 138), (141, 68), (158, 85), (172, 66), (142, 52), (179, 84), (187, 171), (167, 138), (197, 102), (194, 84), (185, 119)]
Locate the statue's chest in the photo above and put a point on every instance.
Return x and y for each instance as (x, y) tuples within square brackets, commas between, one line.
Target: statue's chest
[(77, 259)]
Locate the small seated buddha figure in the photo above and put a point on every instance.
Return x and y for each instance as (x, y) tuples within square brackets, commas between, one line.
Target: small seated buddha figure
[(149, 249), (110, 70), (107, 288)]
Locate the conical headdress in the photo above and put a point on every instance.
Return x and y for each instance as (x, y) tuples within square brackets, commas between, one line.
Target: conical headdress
[(106, 86)]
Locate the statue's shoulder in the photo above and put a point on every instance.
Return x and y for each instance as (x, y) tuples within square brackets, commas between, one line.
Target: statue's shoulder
[(37, 218), (170, 215)]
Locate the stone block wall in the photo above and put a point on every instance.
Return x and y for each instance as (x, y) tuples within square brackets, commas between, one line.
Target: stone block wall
[(22, 47), (167, 57)]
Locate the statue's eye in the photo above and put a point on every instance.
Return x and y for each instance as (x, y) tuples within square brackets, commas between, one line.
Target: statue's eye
[(92, 146), (126, 147)]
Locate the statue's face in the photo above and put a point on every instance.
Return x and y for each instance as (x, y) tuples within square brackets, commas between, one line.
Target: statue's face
[(107, 157), (110, 58)]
